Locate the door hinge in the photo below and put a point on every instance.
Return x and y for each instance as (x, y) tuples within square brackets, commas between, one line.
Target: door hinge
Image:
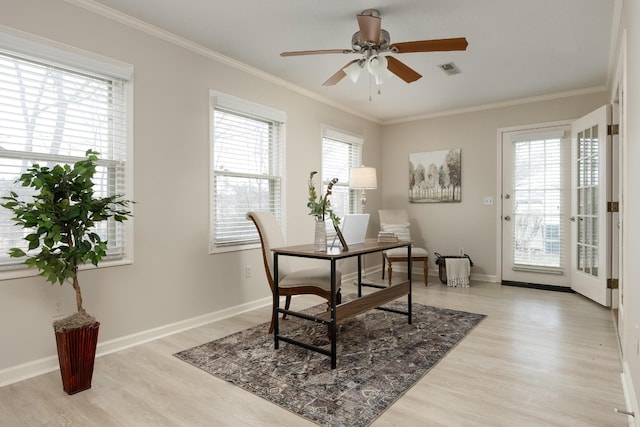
[(612, 283), (613, 206), (612, 129)]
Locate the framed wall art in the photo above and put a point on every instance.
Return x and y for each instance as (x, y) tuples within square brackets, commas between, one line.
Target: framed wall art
[(435, 177)]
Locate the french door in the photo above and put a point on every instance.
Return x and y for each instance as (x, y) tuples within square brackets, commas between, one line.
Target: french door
[(591, 188), (535, 205), (556, 219)]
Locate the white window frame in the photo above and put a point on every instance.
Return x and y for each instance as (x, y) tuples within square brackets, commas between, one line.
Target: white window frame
[(37, 49), (243, 107), (355, 143)]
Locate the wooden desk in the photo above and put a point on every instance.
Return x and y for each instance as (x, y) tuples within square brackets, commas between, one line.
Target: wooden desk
[(339, 313)]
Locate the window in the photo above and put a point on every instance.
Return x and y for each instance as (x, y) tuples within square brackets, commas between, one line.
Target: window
[(53, 112), (340, 152), (246, 143), (538, 206)]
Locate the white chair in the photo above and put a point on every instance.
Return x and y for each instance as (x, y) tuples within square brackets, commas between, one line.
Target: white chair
[(316, 281), (397, 221)]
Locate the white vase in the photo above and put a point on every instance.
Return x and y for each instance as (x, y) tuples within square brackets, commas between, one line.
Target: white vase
[(320, 241)]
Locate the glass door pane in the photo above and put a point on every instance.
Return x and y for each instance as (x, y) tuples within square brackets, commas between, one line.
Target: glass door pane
[(587, 196), (538, 232)]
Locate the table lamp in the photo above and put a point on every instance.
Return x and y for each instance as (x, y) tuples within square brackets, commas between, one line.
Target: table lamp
[(363, 178)]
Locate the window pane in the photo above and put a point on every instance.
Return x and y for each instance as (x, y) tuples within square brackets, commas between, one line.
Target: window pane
[(52, 115), (538, 232), (235, 196), (246, 170), (242, 144), (338, 157), (587, 194)]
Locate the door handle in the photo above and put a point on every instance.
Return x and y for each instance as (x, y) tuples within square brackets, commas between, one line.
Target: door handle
[(507, 218), (572, 219)]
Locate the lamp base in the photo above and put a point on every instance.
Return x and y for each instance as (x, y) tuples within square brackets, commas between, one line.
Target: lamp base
[(363, 202)]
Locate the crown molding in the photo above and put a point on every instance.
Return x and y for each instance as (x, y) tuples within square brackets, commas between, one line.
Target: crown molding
[(501, 104), (154, 31)]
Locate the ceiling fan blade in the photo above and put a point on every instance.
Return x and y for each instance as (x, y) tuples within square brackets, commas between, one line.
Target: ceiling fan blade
[(315, 52), (339, 75), (439, 45), (369, 28), (402, 70)]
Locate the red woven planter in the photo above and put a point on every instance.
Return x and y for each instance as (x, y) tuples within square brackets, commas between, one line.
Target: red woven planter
[(76, 354)]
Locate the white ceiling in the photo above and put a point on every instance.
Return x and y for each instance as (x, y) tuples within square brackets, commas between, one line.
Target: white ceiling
[(517, 49)]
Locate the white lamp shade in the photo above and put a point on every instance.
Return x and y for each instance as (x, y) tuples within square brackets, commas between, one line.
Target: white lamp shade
[(353, 71), (363, 178), (377, 67)]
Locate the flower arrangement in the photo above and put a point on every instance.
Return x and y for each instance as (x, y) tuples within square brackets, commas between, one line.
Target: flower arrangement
[(320, 206)]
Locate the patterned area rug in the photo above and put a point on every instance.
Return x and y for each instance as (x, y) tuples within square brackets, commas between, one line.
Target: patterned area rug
[(380, 356)]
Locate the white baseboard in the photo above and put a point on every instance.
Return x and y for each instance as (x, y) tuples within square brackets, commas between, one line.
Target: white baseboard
[(484, 278), (629, 397), (433, 272), (28, 370), (47, 364), (34, 368)]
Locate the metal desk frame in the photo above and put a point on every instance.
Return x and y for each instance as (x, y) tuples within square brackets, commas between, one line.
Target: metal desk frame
[(339, 313)]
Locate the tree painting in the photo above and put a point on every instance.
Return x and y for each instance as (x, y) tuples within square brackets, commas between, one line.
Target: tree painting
[(435, 177)]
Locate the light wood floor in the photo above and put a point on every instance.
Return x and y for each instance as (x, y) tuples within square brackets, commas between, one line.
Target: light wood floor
[(540, 358)]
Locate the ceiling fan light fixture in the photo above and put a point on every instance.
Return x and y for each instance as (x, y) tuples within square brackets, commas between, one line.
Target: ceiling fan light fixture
[(353, 70), (371, 41), (377, 67)]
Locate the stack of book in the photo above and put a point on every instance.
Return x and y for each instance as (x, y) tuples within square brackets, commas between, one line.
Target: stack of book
[(387, 236)]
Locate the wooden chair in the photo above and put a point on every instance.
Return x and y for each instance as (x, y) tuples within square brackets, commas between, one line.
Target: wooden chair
[(316, 281), (397, 221)]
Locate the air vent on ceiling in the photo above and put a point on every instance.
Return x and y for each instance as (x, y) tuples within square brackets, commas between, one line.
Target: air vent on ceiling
[(450, 68)]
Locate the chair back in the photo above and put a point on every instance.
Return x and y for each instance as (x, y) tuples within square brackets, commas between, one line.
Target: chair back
[(270, 237), (393, 216), (397, 221)]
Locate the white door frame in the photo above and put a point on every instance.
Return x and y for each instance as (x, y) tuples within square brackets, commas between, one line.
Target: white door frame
[(619, 103)]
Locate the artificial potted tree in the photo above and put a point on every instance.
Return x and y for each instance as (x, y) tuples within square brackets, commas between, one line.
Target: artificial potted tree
[(60, 217)]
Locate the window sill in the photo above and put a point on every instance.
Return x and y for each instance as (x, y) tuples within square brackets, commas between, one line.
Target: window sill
[(20, 272), (224, 249)]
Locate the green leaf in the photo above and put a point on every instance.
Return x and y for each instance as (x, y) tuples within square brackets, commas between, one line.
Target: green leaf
[(60, 216), (16, 253), (34, 244)]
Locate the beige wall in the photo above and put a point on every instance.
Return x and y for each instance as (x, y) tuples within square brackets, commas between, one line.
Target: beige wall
[(173, 277), (446, 227), (631, 201)]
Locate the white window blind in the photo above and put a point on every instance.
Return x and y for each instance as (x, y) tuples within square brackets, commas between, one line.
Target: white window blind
[(340, 152), (246, 169), (539, 234), (49, 114)]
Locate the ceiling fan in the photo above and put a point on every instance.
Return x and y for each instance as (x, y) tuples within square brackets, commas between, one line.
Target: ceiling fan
[(372, 42)]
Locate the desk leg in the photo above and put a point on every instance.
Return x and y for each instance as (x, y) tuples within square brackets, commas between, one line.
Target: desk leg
[(359, 276), (276, 303), (332, 326), (409, 266)]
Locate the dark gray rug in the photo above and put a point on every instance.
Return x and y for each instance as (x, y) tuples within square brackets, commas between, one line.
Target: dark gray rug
[(380, 357)]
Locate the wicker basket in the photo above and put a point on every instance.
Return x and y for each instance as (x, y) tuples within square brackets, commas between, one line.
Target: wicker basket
[(442, 264)]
